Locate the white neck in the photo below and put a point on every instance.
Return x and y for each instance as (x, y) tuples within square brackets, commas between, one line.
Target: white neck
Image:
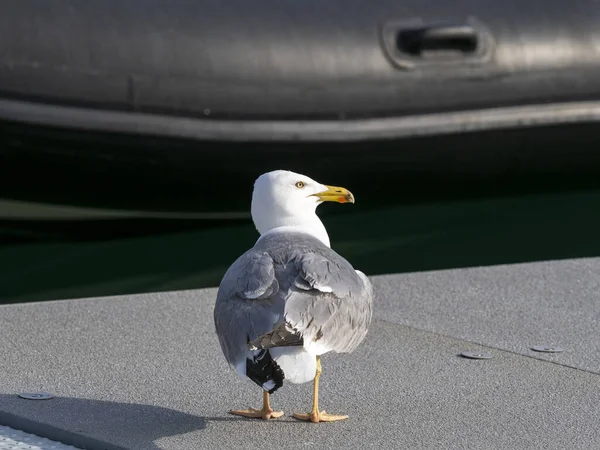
[(314, 228)]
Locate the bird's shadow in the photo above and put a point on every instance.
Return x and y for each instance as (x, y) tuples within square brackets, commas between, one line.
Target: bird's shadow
[(97, 424)]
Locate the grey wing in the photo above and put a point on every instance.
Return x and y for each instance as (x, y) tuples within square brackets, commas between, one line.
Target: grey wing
[(330, 304), (247, 305)]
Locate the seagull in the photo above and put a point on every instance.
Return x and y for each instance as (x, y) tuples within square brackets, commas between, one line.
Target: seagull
[(290, 298)]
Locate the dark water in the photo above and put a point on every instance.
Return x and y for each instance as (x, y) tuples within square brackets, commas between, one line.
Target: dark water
[(71, 260)]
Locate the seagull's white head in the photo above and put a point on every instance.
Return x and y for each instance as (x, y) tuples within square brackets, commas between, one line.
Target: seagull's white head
[(287, 199)]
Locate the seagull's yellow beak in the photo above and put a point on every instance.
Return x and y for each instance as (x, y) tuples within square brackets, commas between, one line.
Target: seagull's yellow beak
[(335, 194)]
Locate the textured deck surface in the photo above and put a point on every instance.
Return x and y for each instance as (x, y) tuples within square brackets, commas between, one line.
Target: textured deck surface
[(11, 439), (146, 371)]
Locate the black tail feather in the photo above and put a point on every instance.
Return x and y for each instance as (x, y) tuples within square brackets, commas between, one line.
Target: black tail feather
[(264, 371)]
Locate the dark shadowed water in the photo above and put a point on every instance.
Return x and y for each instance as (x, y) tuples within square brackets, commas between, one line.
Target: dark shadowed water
[(43, 261)]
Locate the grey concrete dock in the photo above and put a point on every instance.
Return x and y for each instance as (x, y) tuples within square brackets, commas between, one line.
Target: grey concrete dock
[(146, 372)]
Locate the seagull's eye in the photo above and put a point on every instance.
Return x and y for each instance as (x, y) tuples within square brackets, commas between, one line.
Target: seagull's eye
[(300, 184)]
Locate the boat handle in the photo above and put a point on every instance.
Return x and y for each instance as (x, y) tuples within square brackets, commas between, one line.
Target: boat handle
[(438, 38)]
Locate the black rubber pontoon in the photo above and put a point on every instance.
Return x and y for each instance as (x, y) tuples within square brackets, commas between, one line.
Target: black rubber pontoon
[(332, 70), (142, 104)]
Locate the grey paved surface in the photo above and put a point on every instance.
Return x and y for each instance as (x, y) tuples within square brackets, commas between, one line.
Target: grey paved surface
[(146, 372), (512, 307)]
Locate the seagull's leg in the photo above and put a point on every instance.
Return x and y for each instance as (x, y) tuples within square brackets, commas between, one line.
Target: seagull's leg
[(265, 413), (316, 416)]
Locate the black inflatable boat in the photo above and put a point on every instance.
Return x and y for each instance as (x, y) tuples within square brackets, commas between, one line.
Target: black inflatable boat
[(142, 104)]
